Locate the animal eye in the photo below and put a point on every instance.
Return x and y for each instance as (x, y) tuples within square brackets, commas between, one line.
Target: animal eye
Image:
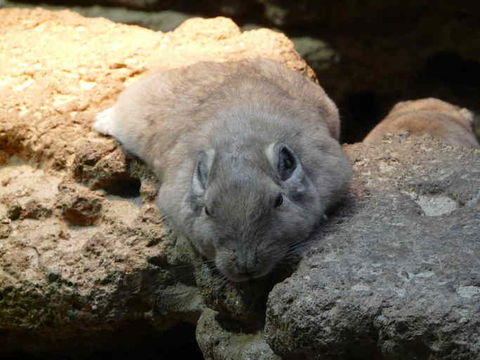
[(207, 212), (286, 163), (278, 200)]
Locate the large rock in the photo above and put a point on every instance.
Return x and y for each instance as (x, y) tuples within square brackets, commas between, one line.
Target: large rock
[(83, 249), (395, 273), (217, 343)]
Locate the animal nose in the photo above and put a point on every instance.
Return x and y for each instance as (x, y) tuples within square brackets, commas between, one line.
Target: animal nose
[(244, 270)]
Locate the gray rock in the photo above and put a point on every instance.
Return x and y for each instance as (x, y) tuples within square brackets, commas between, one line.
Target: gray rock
[(218, 343), (395, 273), (317, 53), (166, 20)]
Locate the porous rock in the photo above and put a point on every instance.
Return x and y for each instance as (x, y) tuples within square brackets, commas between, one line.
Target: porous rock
[(386, 277), (218, 343), (78, 206), (83, 248)]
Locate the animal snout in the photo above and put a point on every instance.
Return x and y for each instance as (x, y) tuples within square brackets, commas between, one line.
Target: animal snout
[(243, 268)]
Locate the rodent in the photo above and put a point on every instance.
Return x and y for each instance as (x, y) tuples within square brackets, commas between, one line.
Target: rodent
[(246, 153), (450, 123)]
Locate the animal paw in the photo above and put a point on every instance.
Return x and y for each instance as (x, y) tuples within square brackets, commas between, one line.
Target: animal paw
[(104, 122)]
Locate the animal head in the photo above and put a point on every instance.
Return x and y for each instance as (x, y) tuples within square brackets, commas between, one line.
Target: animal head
[(249, 209)]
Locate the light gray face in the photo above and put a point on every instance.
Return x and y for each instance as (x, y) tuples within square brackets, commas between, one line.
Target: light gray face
[(251, 211)]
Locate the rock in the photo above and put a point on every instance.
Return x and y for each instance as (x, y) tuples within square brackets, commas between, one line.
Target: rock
[(139, 4), (388, 277), (70, 288), (26, 192), (104, 166), (166, 20), (78, 206), (218, 343), (84, 252), (5, 229), (317, 53)]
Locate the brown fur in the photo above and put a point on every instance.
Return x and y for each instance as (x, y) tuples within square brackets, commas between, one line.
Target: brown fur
[(450, 123)]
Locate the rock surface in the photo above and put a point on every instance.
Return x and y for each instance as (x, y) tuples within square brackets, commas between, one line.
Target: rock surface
[(388, 276), (216, 343), (83, 249)]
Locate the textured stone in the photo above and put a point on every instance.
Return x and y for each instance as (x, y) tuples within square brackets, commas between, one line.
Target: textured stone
[(385, 276), (219, 343), (317, 53), (78, 207)]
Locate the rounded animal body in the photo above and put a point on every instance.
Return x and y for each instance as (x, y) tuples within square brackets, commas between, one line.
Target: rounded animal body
[(246, 153), (450, 123)]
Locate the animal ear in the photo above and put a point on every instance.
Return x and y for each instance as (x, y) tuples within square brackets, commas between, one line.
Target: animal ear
[(202, 171), (284, 162), (467, 114)]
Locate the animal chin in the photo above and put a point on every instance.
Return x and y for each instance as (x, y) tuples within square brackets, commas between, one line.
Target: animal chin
[(236, 276)]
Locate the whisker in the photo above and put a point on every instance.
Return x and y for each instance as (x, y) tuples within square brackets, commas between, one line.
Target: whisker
[(300, 245)]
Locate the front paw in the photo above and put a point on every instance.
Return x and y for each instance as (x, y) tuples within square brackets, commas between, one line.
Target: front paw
[(104, 122)]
